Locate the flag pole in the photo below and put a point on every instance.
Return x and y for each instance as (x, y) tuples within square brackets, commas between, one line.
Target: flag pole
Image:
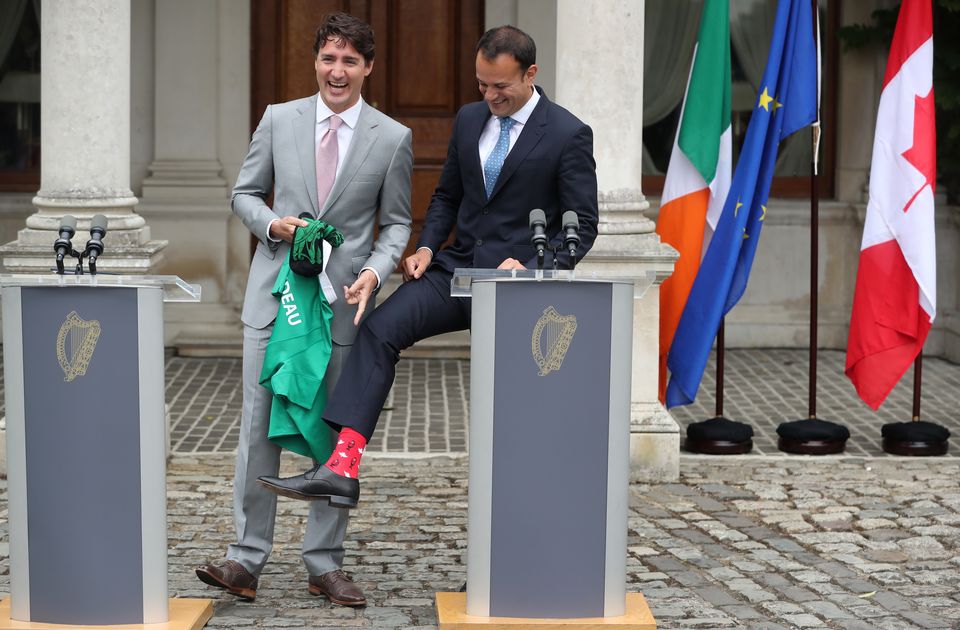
[(917, 369), (811, 436), (814, 255), (814, 228), (918, 438), (719, 397)]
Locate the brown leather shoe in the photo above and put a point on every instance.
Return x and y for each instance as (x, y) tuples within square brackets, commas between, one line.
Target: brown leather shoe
[(229, 575), (338, 587)]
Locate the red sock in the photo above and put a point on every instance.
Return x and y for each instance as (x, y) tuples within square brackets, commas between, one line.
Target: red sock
[(345, 459)]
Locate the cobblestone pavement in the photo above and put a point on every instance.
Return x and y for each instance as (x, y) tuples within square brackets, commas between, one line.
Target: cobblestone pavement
[(747, 542), (777, 541), (427, 410), (768, 386)]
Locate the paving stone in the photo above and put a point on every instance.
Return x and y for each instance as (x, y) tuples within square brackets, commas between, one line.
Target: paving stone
[(742, 612), (924, 620), (827, 610), (781, 608), (716, 596), (922, 547), (796, 593), (804, 621), (879, 555), (856, 624), (809, 577)]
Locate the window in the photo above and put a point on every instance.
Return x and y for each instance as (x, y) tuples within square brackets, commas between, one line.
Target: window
[(19, 95), (669, 38)]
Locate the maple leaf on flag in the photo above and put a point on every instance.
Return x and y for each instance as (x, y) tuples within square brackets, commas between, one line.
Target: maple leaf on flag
[(923, 154)]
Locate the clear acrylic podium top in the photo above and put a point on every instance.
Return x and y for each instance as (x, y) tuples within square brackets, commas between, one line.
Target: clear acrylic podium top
[(463, 278), (174, 288)]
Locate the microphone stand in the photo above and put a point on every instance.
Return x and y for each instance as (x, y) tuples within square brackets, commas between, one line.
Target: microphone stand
[(78, 270)]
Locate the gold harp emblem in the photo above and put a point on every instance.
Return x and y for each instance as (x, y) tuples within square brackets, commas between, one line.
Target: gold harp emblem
[(551, 339), (76, 342)]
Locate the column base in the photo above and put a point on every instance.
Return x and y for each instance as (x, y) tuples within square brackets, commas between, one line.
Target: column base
[(452, 615), (654, 443), (185, 179), (185, 614), (204, 330)]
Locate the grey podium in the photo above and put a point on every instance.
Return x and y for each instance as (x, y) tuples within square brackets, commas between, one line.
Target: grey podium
[(84, 378), (550, 375)]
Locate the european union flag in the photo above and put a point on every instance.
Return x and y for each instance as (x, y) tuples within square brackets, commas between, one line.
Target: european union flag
[(787, 102)]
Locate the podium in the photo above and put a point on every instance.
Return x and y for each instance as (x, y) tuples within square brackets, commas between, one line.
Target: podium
[(550, 378), (84, 376)]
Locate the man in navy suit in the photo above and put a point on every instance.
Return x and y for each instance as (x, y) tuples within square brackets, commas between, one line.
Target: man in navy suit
[(512, 152)]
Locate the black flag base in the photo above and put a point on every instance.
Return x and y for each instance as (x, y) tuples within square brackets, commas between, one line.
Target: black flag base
[(811, 436), (719, 436), (918, 438)]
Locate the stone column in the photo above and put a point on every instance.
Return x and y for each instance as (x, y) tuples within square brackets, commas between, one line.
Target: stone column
[(600, 79), (85, 139), (200, 135), (201, 132)]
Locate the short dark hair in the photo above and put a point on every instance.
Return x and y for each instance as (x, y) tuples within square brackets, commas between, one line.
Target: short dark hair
[(510, 40), (341, 26)]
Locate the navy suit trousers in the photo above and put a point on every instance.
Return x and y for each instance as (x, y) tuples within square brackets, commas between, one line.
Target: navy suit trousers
[(417, 309)]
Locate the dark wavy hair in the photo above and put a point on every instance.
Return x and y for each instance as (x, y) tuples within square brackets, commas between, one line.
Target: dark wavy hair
[(345, 27), (510, 40)]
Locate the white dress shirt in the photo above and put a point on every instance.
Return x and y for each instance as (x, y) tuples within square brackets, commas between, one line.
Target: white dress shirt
[(491, 131)]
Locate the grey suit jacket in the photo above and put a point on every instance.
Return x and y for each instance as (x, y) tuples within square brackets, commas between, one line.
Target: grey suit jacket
[(373, 189)]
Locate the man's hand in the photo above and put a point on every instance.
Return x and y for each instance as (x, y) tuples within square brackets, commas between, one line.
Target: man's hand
[(415, 265), (282, 229), (511, 263), (360, 291)]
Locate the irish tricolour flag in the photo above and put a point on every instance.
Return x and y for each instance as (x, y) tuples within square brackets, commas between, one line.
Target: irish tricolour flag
[(698, 175), (896, 295)]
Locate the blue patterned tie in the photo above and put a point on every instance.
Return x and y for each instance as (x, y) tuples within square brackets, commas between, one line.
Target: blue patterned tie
[(491, 170)]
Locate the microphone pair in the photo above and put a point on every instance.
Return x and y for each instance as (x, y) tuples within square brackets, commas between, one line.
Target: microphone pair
[(571, 237), (63, 246)]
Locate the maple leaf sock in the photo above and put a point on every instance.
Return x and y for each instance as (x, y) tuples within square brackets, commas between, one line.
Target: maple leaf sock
[(345, 459)]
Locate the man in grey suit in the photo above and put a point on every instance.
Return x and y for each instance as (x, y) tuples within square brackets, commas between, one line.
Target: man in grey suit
[(291, 155)]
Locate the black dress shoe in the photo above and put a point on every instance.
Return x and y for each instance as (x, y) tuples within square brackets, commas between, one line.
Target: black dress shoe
[(317, 483)]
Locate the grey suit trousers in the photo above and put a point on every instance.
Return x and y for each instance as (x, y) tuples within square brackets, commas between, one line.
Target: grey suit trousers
[(255, 507)]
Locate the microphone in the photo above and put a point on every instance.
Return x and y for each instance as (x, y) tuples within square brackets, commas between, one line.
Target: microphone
[(98, 229), (62, 246), (571, 238), (538, 223)]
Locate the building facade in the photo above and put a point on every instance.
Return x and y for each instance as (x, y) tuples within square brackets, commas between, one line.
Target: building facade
[(201, 72)]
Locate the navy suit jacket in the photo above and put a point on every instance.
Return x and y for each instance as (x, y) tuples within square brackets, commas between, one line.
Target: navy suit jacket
[(550, 167)]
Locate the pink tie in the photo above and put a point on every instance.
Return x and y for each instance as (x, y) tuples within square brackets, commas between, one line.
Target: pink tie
[(327, 154)]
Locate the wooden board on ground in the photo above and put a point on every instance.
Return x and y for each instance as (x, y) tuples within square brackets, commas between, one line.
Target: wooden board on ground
[(185, 614), (452, 615)]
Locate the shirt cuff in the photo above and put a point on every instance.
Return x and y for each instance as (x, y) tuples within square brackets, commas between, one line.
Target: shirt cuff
[(374, 273), (426, 248), (270, 238)]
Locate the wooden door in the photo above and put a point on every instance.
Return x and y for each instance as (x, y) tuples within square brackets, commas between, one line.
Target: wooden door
[(423, 70)]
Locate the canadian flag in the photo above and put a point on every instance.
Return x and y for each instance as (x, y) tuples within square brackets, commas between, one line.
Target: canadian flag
[(896, 293)]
